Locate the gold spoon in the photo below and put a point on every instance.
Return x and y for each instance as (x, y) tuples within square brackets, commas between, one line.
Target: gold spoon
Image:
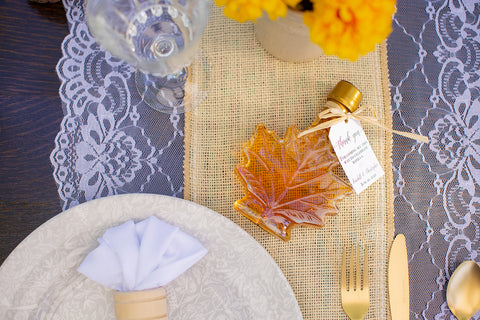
[(463, 290)]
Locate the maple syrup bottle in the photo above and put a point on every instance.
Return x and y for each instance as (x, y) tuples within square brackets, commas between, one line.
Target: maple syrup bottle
[(290, 182)]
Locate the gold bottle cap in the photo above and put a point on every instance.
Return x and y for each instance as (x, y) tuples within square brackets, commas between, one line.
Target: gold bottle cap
[(347, 95)]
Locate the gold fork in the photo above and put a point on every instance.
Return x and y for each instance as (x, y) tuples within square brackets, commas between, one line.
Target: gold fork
[(354, 290)]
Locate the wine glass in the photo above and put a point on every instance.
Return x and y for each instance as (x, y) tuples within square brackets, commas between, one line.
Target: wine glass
[(160, 38)]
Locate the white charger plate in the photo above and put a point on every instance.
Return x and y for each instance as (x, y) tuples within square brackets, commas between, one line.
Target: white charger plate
[(237, 279)]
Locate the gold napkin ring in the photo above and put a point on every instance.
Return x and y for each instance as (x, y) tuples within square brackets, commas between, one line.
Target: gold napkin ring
[(137, 305)]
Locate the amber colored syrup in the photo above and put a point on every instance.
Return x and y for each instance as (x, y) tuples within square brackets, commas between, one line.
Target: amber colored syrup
[(289, 182)]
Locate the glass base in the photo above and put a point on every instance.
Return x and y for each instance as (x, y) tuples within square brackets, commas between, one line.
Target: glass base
[(179, 93)]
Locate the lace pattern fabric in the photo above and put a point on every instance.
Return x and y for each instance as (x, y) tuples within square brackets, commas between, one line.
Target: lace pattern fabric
[(434, 73), (110, 142)]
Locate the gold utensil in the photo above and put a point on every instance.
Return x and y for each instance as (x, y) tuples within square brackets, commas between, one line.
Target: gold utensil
[(354, 288), (398, 284), (463, 290)]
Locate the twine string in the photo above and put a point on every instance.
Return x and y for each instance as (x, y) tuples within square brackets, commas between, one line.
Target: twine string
[(336, 115)]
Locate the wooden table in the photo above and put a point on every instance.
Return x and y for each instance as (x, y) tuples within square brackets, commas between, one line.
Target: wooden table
[(30, 35)]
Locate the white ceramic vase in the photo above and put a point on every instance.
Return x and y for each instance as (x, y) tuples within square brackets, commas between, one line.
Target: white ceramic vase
[(287, 38)]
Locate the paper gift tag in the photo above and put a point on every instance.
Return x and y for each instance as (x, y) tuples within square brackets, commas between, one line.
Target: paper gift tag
[(355, 154)]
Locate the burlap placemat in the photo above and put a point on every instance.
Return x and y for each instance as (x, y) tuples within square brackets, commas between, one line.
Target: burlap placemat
[(250, 86)]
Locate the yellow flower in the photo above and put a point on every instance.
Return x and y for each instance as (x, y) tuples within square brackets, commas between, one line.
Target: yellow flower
[(292, 3), (349, 28), (244, 10)]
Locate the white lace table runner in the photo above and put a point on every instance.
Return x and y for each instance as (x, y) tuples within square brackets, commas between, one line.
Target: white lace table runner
[(110, 142), (434, 61)]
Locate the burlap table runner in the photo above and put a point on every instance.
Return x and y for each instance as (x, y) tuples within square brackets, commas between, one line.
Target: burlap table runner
[(250, 86)]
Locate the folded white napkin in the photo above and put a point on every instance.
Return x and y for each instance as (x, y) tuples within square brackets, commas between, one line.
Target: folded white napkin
[(140, 256)]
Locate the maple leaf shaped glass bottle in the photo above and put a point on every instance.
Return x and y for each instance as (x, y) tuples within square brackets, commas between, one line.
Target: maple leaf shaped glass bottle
[(289, 182)]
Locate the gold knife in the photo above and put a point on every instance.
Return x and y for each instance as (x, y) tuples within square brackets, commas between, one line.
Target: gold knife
[(398, 283)]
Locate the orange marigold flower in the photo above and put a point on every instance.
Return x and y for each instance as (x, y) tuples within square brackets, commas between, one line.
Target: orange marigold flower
[(292, 3), (244, 10), (349, 28)]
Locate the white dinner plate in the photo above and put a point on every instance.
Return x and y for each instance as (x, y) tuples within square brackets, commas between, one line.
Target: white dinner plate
[(237, 279)]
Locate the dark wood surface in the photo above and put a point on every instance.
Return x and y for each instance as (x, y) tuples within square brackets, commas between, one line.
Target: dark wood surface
[(30, 113)]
